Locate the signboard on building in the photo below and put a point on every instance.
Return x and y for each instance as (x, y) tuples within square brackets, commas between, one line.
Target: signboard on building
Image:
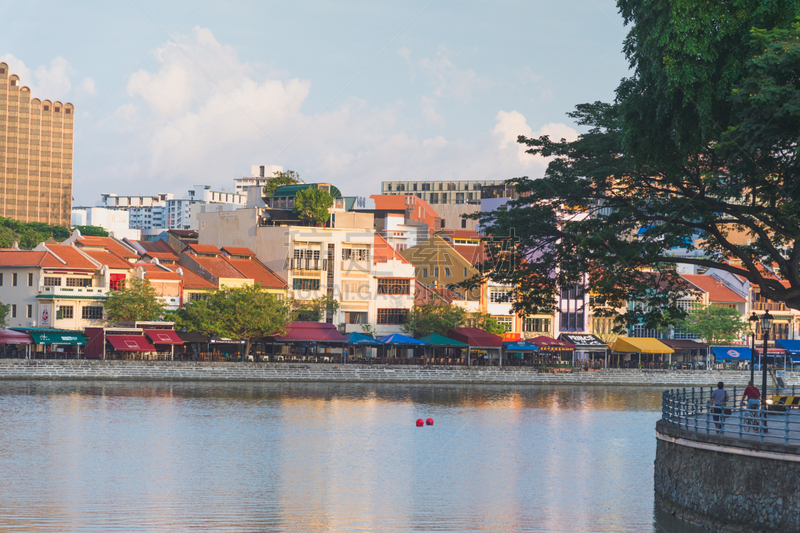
[(45, 315)]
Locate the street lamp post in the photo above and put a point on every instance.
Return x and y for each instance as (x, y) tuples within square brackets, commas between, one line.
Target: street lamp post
[(753, 320), (766, 324)]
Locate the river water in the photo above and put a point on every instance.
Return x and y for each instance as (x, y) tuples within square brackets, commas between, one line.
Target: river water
[(150, 456)]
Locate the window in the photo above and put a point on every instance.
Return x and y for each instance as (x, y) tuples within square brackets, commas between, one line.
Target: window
[(29, 311), (506, 321), (536, 325), (572, 293), (30, 279), (47, 108), (79, 282), (1, 279), (392, 316), (197, 296), (65, 311), (52, 282), (394, 286), (355, 254), (501, 295), (464, 221), (305, 284), (14, 310), (14, 279), (446, 272), (352, 317), (92, 313), (572, 321), (640, 331), (424, 273), (465, 272), (116, 282), (389, 187), (436, 272), (68, 111), (306, 253)]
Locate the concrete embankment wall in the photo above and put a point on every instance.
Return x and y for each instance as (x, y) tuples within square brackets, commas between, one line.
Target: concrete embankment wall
[(727, 485), (199, 371)]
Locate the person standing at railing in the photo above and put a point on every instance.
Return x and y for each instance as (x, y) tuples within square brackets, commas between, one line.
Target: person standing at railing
[(719, 399), (751, 396)]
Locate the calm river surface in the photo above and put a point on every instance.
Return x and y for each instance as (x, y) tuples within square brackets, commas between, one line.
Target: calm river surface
[(96, 456)]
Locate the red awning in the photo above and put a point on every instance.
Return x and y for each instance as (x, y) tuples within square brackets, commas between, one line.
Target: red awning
[(476, 338), (311, 332), (550, 344), (163, 336), (9, 336), (130, 343)]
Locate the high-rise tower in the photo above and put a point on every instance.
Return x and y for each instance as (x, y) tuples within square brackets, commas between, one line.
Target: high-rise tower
[(35, 154)]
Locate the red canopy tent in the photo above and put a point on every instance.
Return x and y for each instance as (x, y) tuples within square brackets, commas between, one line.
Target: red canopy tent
[(549, 344), (311, 332), (9, 336), (477, 338), (130, 343)]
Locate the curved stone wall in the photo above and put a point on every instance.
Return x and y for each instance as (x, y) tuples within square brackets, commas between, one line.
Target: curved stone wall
[(725, 484)]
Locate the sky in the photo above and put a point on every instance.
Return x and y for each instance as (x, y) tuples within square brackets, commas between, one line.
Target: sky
[(174, 94)]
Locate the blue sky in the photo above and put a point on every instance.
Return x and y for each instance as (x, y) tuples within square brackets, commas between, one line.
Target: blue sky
[(172, 94)]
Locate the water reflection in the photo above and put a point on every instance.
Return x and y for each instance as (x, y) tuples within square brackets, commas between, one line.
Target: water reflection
[(295, 457)]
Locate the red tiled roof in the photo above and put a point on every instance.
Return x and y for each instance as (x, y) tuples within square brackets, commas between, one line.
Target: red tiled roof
[(205, 249), (28, 258), (393, 202), (383, 252), (461, 233), (474, 254), (111, 260), (218, 267), (258, 272), (161, 255), (158, 246), (193, 280), (109, 243), (716, 290), (234, 250), (71, 255), (153, 271)]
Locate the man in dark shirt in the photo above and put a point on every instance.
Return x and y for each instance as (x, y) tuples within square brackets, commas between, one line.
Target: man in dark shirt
[(719, 398)]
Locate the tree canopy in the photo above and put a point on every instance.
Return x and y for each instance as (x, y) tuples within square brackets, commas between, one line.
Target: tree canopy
[(28, 234), (313, 204), (433, 317), (289, 177), (136, 301), (717, 325), (694, 163), (4, 310), (246, 312), (313, 310)]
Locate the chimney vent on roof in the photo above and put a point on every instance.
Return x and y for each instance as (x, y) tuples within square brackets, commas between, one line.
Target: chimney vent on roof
[(15, 246), (179, 271)]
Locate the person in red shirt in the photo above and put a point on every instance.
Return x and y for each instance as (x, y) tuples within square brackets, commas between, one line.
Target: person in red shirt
[(752, 396)]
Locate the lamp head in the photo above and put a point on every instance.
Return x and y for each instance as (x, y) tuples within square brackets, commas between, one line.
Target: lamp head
[(766, 321), (753, 321)]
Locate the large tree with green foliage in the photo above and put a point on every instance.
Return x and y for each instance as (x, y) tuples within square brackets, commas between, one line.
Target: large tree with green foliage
[(289, 177), (313, 204), (4, 310), (717, 325), (313, 310), (138, 300), (700, 144), (92, 231), (433, 317), (246, 312), (28, 234)]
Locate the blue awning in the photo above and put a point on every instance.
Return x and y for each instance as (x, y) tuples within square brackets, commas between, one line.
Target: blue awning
[(791, 346), (731, 353), (520, 346), (401, 340)]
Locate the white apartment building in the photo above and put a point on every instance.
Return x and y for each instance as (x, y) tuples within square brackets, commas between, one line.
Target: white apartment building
[(56, 286), (372, 283), (115, 221), (440, 192), (259, 174)]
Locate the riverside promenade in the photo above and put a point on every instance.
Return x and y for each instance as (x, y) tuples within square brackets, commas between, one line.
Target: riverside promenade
[(23, 369)]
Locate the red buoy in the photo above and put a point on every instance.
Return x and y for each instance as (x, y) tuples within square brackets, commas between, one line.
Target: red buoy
[(420, 423), (429, 421)]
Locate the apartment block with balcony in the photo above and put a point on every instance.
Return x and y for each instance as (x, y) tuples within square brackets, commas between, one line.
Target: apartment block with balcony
[(53, 286), (441, 192)]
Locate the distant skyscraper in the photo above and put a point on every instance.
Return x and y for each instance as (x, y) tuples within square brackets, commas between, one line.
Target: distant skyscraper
[(35, 155)]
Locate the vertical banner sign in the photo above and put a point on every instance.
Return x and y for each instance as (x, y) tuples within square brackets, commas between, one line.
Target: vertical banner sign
[(45, 315)]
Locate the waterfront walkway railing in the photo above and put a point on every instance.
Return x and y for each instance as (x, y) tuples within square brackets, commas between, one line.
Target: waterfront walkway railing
[(691, 409)]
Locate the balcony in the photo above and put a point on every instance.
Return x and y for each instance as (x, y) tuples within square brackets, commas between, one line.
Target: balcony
[(307, 264), (73, 292), (769, 306)]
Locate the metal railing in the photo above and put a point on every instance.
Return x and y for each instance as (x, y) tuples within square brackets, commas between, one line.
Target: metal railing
[(692, 410)]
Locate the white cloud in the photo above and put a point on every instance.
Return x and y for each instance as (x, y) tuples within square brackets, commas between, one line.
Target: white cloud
[(87, 87), (448, 79), (405, 53), (54, 81), (429, 111), (437, 142), (512, 124), (16, 66)]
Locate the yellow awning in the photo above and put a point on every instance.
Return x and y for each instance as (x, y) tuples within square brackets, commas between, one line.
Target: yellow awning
[(640, 345)]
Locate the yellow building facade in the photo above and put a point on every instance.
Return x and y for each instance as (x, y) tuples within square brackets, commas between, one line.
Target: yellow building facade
[(35, 154)]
